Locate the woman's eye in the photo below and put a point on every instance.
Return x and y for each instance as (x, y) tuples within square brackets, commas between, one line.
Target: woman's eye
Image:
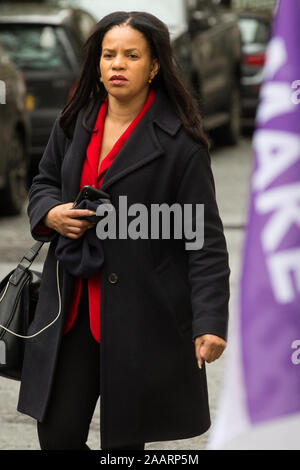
[(107, 55)]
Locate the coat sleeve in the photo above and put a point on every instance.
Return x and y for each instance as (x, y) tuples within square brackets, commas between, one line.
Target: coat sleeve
[(45, 190), (208, 266)]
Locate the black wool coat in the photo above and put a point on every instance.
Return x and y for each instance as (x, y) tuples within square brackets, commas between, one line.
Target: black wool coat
[(160, 296)]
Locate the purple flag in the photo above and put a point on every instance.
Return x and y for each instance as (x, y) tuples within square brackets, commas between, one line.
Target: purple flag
[(270, 288), (260, 402)]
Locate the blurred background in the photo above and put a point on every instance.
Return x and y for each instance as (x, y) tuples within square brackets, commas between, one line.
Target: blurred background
[(219, 48)]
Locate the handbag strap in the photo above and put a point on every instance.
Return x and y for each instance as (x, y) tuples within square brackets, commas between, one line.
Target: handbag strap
[(25, 262), (30, 255)]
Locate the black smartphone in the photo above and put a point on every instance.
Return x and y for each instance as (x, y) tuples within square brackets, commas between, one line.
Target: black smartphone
[(91, 193)]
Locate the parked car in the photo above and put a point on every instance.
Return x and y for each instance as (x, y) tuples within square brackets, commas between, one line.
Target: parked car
[(255, 29), (209, 55), (14, 137), (46, 43)]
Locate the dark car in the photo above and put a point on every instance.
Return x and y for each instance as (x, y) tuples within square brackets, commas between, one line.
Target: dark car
[(209, 56), (14, 137), (46, 43), (255, 29)]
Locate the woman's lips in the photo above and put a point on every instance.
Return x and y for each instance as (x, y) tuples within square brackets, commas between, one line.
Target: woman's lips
[(118, 81)]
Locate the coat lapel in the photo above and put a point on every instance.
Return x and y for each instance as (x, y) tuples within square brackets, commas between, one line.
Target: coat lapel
[(76, 153), (141, 147)]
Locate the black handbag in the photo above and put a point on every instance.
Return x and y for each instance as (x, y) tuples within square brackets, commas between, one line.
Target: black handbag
[(19, 292)]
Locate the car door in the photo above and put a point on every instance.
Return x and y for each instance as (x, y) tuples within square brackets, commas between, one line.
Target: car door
[(208, 55), (43, 53), (6, 119)]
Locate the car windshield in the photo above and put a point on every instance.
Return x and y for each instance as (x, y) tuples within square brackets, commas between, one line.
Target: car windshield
[(254, 31), (34, 47)]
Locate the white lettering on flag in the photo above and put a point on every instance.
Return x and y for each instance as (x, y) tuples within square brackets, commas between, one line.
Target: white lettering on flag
[(276, 57), (285, 202), (276, 151), (281, 266), (271, 108)]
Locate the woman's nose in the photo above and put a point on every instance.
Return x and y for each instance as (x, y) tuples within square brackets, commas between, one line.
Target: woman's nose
[(118, 62)]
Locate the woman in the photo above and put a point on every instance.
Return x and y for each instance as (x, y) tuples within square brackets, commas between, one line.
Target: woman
[(132, 129)]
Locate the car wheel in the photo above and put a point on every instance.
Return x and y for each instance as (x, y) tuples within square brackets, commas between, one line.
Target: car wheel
[(229, 134), (13, 196)]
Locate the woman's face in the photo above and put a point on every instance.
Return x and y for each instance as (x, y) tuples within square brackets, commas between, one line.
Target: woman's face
[(125, 53)]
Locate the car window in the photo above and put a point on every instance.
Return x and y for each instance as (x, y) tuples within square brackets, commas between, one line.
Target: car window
[(85, 23), (203, 9), (205, 5), (34, 47), (254, 31)]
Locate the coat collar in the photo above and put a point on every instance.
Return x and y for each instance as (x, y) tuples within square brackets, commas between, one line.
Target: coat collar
[(163, 114), (141, 147)]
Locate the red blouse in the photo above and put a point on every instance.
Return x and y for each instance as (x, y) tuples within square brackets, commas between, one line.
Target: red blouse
[(89, 176)]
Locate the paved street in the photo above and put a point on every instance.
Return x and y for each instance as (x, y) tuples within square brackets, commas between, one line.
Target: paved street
[(231, 167)]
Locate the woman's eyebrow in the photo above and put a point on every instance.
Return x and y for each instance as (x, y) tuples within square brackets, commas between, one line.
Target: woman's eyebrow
[(126, 50)]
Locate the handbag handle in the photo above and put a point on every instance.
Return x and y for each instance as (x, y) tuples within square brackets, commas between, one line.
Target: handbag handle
[(30, 256), (32, 253)]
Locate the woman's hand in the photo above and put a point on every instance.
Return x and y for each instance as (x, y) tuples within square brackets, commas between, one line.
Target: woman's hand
[(208, 348), (62, 218)]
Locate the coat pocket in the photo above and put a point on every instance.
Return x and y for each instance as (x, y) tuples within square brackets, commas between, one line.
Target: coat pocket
[(176, 294)]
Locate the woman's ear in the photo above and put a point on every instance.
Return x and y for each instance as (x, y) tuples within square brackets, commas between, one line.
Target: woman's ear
[(155, 68)]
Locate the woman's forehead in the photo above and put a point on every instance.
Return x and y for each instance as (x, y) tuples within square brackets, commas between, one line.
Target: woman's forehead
[(124, 36)]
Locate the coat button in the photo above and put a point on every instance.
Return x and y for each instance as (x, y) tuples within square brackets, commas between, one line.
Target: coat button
[(113, 278)]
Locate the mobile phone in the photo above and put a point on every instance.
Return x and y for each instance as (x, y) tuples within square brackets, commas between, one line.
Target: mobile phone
[(90, 193)]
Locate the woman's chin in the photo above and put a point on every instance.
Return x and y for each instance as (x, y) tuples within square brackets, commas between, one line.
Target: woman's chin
[(124, 93), (120, 93)]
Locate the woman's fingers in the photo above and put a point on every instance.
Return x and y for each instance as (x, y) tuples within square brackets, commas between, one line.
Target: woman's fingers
[(79, 223), (74, 213), (64, 219), (76, 229), (72, 235), (210, 352), (79, 226), (74, 232), (200, 362), (209, 348)]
